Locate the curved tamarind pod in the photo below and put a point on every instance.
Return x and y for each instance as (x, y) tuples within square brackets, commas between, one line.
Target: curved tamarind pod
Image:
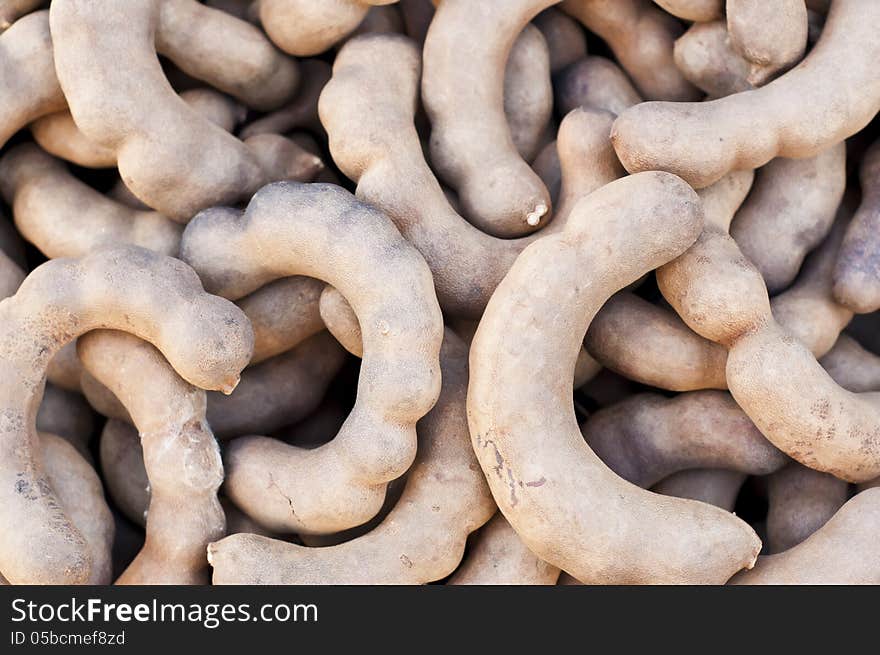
[(302, 110), (528, 92), (706, 58), (322, 231), (801, 501), (180, 456), (714, 486), (64, 217), (68, 415), (772, 37), (596, 82), (648, 437), (207, 339), (843, 551), (790, 211), (496, 555), (423, 537), (28, 84), (278, 391), (122, 466), (283, 314), (306, 28), (851, 366), (341, 321), (13, 10), (368, 108), (65, 370), (559, 497), (641, 37), (839, 94), (471, 145), (857, 271), (566, 40), (695, 10)]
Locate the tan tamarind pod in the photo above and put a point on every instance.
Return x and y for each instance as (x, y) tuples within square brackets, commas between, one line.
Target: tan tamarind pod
[(305, 28), (380, 19), (771, 36), (528, 92), (102, 399), (122, 466), (471, 145), (207, 340), (562, 501), (341, 321), (180, 456), (648, 437), (68, 415), (12, 10), (64, 217), (801, 501), (851, 366), (565, 38), (641, 37), (843, 551), (284, 159), (28, 84), (65, 370), (283, 314), (496, 555), (705, 56), (423, 537), (857, 271), (278, 391), (714, 486), (11, 275), (789, 211), (322, 231), (596, 82), (302, 110), (695, 10), (838, 93), (368, 108)]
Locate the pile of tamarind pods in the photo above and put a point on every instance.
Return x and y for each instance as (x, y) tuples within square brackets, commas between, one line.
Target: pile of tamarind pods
[(459, 291)]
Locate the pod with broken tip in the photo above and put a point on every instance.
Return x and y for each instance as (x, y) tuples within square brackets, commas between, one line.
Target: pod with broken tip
[(64, 217), (207, 339), (800, 501), (368, 109), (565, 38), (843, 551), (771, 36), (465, 54), (28, 84), (322, 231), (714, 486), (556, 493), (597, 82), (857, 271), (695, 10), (423, 537), (497, 556), (648, 437), (705, 56), (528, 92), (789, 211), (838, 92), (122, 467), (180, 456), (641, 37)]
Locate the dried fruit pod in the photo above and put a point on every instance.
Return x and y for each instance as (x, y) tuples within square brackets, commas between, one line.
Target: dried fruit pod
[(531, 333), (838, 91), (64, 371), (843, 551), (714, 486), (801, 501), (528, 92), (857, 272), (648, 437), (68, 415), (851, 366), (341, 321), (423, 537), (180, 456), (160, 299), (772, 36), (566, 39), (695, 10), (705, 56), (641, 37), (12, 10), (496, 555), (322, 231), (122, 465), (471, 144), (596, 82), (789, 212)]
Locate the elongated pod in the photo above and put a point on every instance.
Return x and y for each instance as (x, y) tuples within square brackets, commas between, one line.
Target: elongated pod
[(838, 93), (207, 340), (320, 230), (528, 92), (566, 40), (772, 36), (122, 466), (465, 54), (341, 321), (596, 82), (565, 504)]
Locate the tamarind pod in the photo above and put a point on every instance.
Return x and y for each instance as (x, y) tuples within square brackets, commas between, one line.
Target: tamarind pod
[(772, 38), (714, 486), (707, 59), (67, 415), (122, 466), (695, 10), (528, 92), (597, 82), (851, 366), (566, 40), (64, 371)]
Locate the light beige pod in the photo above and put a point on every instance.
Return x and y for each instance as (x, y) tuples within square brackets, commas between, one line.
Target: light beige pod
[(566, 505), (207, 340), (422, 539), (837, 90), (322, 231), (707, 59), (772, 36), (695, 10)]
